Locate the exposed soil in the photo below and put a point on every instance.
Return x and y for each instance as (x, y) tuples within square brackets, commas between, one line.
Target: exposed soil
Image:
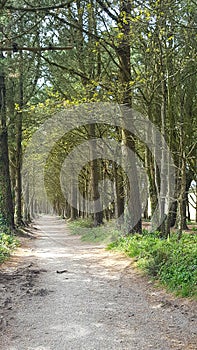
[(57, 293)]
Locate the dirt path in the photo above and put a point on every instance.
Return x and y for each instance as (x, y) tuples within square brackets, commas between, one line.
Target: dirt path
[(98, 302)]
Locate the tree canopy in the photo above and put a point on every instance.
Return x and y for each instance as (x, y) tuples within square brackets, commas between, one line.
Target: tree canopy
[(141, 55)]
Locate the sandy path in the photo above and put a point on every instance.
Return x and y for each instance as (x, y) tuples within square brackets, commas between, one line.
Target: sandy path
[(99, 302)]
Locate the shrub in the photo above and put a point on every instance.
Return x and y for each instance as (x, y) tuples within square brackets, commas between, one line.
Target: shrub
[(7, 244)]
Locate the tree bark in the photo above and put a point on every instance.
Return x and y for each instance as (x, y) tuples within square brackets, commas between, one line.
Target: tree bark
[(124, 53), (119, 195), (6, 203), (19, 121), (98, 213)]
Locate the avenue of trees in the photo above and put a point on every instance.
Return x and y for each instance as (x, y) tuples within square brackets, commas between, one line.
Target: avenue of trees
[(139, 54)]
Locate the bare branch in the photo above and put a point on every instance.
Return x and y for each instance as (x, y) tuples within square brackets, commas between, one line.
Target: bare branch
[(81, 75), (73, 71), (37, 49), (103, 42), (37, 9), (106, 9)]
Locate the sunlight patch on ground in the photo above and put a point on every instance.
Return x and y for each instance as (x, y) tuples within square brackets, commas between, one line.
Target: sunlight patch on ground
[(73, 331)]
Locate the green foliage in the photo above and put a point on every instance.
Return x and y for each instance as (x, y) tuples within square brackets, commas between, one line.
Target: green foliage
[(173, 262), (3, 225), (7, 244), (76, 225), (2, 221), (94, 71), (101, 234)]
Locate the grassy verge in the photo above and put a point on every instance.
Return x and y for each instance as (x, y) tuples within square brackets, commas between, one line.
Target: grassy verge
[(7, 244), (102, 234), (172, 262)]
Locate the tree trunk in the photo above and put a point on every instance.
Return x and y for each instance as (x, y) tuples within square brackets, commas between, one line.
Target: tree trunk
[(180, 223), (151, 176), (6, 203), (124, 53), (98, 213), (19, 220), (164, 227), (133, 221), (73, 209), (119, 195)]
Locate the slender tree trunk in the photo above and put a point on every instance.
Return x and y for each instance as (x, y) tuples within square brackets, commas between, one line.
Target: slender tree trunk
[(151, 176), (19, 150), (164, 228), (6, 203), (27, 217), (119, 195), (73, 209), (180, 211), (98, 213)]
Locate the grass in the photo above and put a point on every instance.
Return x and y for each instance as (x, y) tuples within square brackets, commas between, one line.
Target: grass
[(7, 244), (172, 262), (101, 234)]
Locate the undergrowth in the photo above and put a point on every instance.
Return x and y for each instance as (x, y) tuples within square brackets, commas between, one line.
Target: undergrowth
[(173, 262), (7, 244), (101, 234)]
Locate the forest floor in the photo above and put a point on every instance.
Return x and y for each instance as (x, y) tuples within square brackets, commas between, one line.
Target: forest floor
[(57, 293)]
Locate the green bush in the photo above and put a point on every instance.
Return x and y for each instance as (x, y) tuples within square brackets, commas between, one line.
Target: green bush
[(7, 244), (173, 262)]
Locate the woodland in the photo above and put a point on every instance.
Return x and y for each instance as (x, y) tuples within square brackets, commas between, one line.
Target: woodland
[(55, 56)]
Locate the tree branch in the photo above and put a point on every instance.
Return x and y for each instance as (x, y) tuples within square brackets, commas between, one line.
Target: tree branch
[(37, 49), (104, 43), (36, 9), (72, 71), (106, 9), (81, 75)]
